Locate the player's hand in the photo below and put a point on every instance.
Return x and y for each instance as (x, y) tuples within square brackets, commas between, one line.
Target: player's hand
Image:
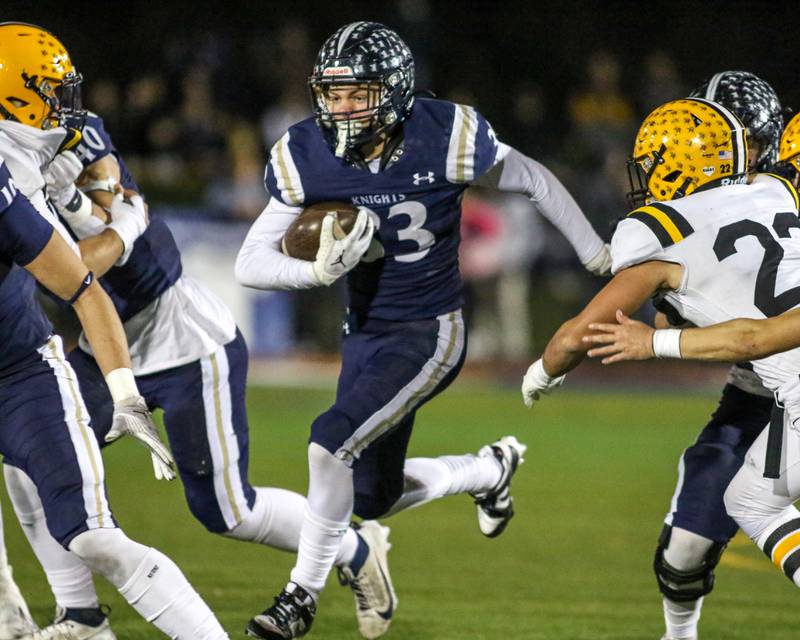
[(337, 257), (628, 340), (129, 220), (132, 418), (60, 176), (537, 381), (600, 264)]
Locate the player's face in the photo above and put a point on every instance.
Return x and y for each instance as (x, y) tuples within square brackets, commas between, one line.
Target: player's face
[(352, 102), (753, 151)]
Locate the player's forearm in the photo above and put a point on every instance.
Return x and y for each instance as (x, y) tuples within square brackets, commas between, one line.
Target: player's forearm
[(262, 265), (521, 174), (565, 351), (100, 252), (103, 329), (739, 340)]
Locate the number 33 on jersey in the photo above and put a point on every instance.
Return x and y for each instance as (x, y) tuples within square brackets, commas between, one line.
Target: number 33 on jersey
[(416, 200)]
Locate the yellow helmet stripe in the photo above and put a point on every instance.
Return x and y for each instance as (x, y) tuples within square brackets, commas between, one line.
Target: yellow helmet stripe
[(668, 225), (789, 187)]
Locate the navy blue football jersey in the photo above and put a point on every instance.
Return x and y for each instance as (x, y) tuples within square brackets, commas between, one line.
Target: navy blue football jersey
[(417, 200), (23, 234), (155, 263)]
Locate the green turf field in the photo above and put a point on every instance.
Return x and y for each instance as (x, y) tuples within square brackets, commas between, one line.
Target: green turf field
[(574, 563)]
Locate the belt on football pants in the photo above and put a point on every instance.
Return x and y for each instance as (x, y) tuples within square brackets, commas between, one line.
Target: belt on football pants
[(772, 462)]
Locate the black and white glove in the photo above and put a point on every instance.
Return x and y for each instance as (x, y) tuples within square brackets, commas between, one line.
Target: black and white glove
[(536, 382), (132, 418), (129, 220), (71, 203), (600, 263), (337, 257)]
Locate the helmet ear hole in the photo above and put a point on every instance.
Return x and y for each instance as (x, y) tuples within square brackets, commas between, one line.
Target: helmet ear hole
[(17, 102), (672, 176)]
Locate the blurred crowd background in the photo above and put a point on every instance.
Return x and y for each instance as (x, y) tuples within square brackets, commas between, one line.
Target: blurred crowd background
[(195, 94)]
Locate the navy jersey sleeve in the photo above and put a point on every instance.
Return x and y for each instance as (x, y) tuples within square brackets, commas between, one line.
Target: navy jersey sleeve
[(23, 232), (96, 144), (473, 147), (281, 177)]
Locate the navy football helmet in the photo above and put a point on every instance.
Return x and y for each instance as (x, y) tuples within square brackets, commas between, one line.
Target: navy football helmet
[(363, 53), (757, 106)]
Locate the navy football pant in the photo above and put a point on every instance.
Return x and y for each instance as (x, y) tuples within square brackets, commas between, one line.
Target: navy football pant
[(707, 467), (45, 431), (389, 369), (206, 422)]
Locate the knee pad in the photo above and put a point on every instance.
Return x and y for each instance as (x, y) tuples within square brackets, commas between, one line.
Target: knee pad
[(685, 586), (331, 430), (108, 552)]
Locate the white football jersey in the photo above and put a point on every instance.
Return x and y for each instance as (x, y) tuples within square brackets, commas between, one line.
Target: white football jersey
[(26, 151), (739, 246)]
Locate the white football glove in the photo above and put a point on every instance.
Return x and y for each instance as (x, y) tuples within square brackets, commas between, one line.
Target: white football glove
[(132, 418), (129, 220), (536, 382), (337, 257), (600, 264), (62, 172)]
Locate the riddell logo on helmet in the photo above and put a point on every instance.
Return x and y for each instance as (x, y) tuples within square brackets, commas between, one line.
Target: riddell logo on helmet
[(337, 71)]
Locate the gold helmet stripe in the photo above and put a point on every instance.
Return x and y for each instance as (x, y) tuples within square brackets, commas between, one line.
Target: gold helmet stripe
[(667, 225), (737, 133), (789, 187)]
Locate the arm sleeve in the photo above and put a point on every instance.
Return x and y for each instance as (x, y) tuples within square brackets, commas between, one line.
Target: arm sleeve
[(261, 264), (517, 173), (23, 232)]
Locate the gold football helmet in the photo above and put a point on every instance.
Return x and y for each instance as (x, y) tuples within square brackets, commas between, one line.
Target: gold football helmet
[(790, 144), (684, 146), (39, 86)]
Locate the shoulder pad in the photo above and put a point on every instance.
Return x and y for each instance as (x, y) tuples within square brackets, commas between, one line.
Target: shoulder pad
[(645, 233), (473, 145), (281, 177), (795, 199)]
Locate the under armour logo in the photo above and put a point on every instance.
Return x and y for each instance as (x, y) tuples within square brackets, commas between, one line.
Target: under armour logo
[(418, 178)]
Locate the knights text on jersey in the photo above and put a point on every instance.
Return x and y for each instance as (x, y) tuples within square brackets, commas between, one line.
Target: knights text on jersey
[(23, 234), (417, 202), (739, 246)]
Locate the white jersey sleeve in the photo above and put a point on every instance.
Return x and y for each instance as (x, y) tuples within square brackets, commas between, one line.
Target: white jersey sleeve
[(261, 264), (517, 173), (645, 234)]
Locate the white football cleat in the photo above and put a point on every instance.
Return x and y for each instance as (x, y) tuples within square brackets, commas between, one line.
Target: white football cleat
[(63, 629), (15, 619), (372, 587), (496, 507)]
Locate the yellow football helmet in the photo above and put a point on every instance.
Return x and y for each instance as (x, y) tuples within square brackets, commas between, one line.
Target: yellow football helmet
[(790, 144), (684, 146), (39, 86)]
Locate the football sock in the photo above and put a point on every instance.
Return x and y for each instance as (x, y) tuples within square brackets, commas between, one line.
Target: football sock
[(327, 518), (275, 520), (427, 479), (150, 582), (5, 569), (69, 578), (781, 543), (681, 618)]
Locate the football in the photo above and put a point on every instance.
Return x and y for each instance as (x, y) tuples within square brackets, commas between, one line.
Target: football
[(301, 239)]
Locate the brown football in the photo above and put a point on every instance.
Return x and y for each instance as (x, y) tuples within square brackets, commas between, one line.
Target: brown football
[(301, 239)]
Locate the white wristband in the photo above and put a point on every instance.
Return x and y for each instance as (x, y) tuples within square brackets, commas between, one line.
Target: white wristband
[(122, 385), (667, 343)]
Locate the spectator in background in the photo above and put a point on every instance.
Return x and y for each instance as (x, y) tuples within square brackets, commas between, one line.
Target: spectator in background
[(601, 117), (661, 82)]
